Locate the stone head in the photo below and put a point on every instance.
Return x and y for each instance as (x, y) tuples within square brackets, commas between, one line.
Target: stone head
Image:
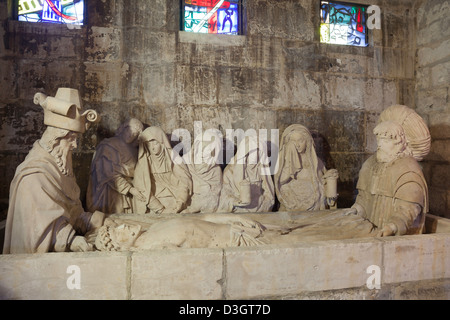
[(391, 141)]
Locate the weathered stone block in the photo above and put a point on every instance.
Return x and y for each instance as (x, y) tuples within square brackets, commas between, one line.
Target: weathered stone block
[(239, 86), (19, 133), (152, 48), (48, 276), (297, 89), (103, 81), (303, 267), (379, 94), (439, 124), (196, 85), (434, 32), (104, 13), (104, 44), (156, 14), (177, 274), (430, 254), (434, 54), (432, 100), (66, 48), (440, 151), (440, 176), (440, 74), (344, 92), (297, 22), (396, 63), (423, 78), (397, 27), (30, 78), (438, 201), (8, 80)]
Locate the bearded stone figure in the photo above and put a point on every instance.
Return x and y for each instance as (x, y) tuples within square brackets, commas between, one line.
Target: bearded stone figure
[(110, 187), (392, 191), (45, 213)]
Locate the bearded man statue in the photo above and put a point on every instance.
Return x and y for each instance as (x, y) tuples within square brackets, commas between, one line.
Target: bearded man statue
[(45, 213), (392, 191)]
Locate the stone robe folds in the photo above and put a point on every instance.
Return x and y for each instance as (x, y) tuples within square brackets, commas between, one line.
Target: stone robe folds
[(298, 180), (206, 175), (394, 192), (111, 176), (45, 211), (257, 174), (163, 179)]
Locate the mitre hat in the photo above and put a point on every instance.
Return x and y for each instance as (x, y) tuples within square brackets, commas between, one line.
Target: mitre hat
[(64, 110)]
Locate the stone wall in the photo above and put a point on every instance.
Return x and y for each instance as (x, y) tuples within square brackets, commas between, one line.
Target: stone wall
[(131, 60), (433, 96)]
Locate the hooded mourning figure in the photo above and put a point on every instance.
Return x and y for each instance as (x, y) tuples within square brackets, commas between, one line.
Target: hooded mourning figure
[(203, 164), (160, 175), (299, 178), (247, 181)]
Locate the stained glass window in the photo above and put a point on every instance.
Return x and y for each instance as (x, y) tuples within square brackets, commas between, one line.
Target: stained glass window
[(343, 23), (211, 16), (69, 12)]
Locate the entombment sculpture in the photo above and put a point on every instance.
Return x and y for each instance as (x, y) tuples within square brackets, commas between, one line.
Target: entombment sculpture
[(45, 212), (110, 187)]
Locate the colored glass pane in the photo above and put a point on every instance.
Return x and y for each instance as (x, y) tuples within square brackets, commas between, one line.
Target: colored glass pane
[(342, 23), (211, 16), (51, 11)]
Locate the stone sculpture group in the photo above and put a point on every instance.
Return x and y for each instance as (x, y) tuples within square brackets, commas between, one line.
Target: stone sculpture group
[(142, 194)]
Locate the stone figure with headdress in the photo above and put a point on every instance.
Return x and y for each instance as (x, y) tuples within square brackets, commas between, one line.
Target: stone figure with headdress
[(45, 212), (392, 191)]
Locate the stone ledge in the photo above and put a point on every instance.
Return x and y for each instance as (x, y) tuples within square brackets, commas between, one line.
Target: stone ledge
[(283, 270), (46, 276), (212, 39), (327, 269), (177, 274)]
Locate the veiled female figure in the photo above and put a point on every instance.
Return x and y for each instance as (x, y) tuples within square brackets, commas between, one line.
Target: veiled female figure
[(160, 175), (206, 172), (298, 180), (247, 183)]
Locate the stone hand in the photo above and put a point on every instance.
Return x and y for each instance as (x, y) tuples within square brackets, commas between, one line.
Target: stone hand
[(136, 193), (80, 244), (387, 230)]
